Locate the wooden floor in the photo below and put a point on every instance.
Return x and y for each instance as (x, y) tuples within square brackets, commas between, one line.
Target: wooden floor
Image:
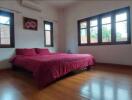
[(101, 83)]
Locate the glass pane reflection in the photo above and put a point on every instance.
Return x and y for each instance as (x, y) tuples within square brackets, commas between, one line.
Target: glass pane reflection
[(95, 90), (108, 92), (98, 90), (122, 94)]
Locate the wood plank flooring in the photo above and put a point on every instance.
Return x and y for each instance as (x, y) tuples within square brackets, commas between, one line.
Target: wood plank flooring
[(104, 82)]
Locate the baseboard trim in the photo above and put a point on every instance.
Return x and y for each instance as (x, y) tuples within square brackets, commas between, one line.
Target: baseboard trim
[(117, 65), (5, 69)]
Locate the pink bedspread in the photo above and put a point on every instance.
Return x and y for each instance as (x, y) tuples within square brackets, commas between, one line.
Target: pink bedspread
[(47, 68)]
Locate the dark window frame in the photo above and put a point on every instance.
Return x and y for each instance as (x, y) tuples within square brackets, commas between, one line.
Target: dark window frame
[(113, 28), (51, 31), (12, 38)]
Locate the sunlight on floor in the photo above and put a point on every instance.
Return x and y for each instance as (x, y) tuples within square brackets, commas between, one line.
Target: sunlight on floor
[(98, 90)]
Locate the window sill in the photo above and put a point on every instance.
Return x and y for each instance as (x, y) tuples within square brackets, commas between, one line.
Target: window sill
[(6, 46), (99, 44)]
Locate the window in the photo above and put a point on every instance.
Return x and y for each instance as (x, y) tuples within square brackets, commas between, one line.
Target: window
[(121, 27), (83, 32), (48, 34), (6, 29), (108, 28), (94, 31)]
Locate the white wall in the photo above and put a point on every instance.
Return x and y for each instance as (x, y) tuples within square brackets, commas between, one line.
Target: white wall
[(61, 25), (117, 54), (28, 38)]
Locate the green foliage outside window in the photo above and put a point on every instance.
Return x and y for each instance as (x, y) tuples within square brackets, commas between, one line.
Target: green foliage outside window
[(106, 34)]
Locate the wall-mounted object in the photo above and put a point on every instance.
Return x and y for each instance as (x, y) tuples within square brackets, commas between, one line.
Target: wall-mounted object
[(30, 24), (31, 4)]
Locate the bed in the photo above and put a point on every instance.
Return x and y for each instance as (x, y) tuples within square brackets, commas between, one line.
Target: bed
[(48, 67)]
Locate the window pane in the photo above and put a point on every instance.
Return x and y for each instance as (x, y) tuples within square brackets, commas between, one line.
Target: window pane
[(121, 17), (83, 36), (4, 20), (83, 25), (121, 31), (4, 31), (47, 27), (106, 20), (48, 37), (106, 33), (93, 22), (93, 35), (5, 41), (5, 34)]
